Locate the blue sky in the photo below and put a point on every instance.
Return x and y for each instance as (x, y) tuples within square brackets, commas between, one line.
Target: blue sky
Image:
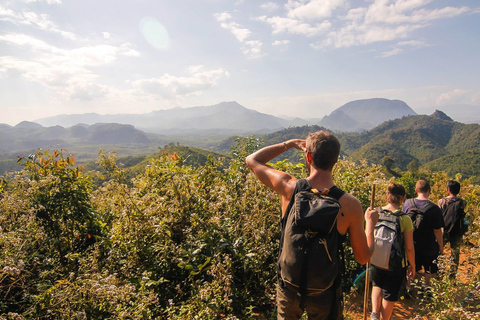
[(300, 58)]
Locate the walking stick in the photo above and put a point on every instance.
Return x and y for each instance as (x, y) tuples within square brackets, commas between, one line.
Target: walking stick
[(367, 271)]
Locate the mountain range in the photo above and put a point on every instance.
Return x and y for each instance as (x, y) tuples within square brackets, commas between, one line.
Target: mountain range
[(434, 142), (389, 128), (232, 118)]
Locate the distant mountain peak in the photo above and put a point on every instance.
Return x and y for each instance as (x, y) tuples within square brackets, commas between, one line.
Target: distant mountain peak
[(365, 114), (28, 125), (441, 115)]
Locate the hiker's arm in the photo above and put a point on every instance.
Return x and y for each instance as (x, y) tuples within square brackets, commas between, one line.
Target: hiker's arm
[(410, 250), (439, 236), (362, 240), (277, 180)]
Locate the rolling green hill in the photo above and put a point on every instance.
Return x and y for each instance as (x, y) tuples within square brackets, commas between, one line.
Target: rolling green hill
[(435, 142)]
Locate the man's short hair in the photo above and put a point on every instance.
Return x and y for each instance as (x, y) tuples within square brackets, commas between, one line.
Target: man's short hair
[(422, 186), (324, 148), (454, 187)]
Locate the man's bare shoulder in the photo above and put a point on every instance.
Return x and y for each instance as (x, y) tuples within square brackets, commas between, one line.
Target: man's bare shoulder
[(350, 204), (351, 213)]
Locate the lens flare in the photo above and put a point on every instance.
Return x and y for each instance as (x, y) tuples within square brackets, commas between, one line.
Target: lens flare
[(155, 33)]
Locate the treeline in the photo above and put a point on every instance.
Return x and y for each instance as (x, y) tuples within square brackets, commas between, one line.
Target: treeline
[(434, 143), (175, 241)]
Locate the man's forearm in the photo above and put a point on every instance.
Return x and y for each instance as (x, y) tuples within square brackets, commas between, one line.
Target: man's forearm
[(267, 153), (439, 236), (369, 233)]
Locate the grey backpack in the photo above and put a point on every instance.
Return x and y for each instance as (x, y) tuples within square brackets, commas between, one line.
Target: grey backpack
[(389, 252)]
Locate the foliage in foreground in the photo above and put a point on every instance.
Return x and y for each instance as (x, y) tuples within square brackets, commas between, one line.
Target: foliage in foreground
[(175, 242)]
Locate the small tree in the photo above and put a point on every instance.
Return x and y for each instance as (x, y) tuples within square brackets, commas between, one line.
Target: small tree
[(413, 166), (388, 162)]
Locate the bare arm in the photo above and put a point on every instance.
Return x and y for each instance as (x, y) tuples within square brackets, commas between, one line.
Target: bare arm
[(439, 236), (362, 240), (279, 181), (410, 250)]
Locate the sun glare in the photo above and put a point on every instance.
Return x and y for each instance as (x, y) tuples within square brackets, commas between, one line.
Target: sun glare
[(155, 33)]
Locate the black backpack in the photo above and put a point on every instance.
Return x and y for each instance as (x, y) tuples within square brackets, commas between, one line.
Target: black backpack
[(453, 216), (418, 218), (309, 251), (389, 252)]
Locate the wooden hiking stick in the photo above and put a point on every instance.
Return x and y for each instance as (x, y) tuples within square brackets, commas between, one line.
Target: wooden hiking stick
[(367, 270)]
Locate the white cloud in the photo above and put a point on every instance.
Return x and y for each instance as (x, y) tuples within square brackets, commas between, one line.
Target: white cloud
[(269, 6), (280, 42), (89, 92), (173, 87), (253, 49), (47, 1), (65, 72), (390, 53), (312, 10), (225, 22), (250, 48), (399, 48), (456, 96), (38, 21), (380, 21), (294, 26)]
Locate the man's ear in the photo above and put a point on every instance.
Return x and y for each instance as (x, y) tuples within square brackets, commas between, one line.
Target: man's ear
[(309, 157)]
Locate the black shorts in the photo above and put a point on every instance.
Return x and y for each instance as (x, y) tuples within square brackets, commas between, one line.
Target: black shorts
[(428, 262), (389, 281)]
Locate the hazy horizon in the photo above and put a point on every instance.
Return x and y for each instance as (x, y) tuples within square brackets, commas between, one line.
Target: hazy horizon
[(294, 58)]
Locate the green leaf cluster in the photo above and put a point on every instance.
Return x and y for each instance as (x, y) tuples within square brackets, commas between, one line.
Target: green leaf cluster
[(172, 241)]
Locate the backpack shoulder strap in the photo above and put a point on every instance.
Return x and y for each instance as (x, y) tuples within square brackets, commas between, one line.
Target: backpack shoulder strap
[(302, 185), (335, 192), (411, 202), (399, 213), (429, 205)]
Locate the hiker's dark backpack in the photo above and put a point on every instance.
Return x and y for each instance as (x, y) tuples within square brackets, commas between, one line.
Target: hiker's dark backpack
[(308, 259), (418, 218), (389, 252), (454, 216)]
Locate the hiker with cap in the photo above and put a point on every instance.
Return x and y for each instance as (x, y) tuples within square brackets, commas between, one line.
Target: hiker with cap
[(321, 150), (453, 208), (393, 247), (428, 222)]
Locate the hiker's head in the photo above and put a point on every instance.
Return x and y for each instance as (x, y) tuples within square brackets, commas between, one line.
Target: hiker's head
[(454, 187), (395, 193), (324, 149), (422, 186)]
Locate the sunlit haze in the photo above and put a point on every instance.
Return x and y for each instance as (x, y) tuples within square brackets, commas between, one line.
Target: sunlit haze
[(285, 58)]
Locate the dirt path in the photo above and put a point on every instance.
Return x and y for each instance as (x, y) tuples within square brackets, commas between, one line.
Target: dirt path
[(405, 309)]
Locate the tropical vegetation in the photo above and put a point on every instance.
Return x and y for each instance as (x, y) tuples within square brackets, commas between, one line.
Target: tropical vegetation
[(174, 240)]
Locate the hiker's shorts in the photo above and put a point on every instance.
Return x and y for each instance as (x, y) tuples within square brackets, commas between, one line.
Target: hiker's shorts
[(318, 307), (389, 281)]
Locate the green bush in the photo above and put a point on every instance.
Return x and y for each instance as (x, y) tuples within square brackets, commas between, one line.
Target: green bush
[(175, 242)]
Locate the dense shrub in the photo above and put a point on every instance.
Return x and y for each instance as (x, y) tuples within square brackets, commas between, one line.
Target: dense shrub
[(175, 242)]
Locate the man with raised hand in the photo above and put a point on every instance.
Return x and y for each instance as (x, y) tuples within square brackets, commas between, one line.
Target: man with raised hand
[(322, 150)]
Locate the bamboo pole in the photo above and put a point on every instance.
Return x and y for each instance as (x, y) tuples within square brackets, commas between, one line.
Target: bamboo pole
[(367, 271)]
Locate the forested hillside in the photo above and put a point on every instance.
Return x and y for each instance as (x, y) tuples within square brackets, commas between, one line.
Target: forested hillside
[(174, 241), (433, 142)]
